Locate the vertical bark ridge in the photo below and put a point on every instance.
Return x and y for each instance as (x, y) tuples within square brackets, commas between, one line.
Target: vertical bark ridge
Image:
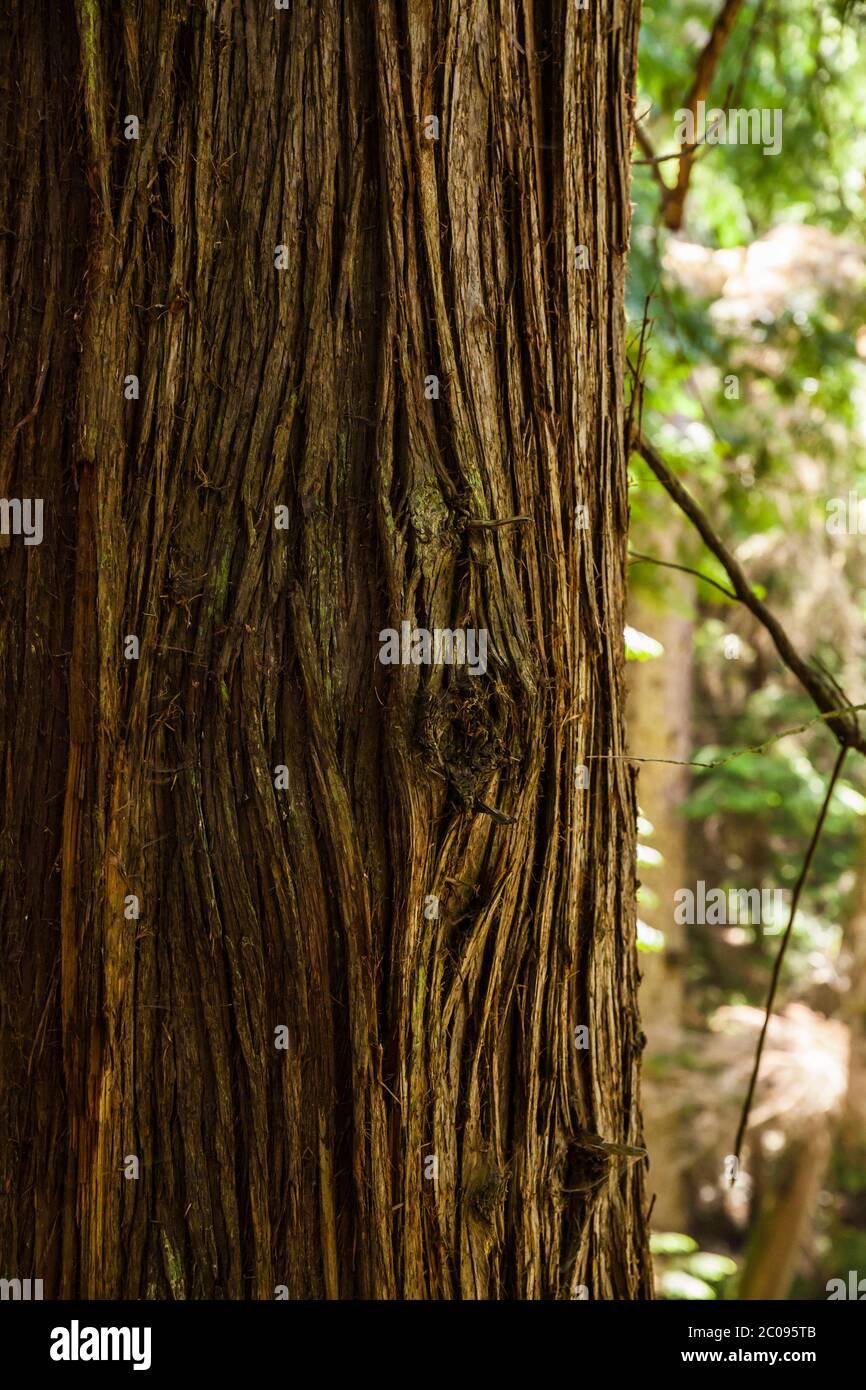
[(305, 905)]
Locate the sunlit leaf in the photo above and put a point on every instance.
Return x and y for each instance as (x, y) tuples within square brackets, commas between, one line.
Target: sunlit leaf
[(648, 938), (647, 855), (675, 1283), (672, 1243), (639, 646), (704, 1264)]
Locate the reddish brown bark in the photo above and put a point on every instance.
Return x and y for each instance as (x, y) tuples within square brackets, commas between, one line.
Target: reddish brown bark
[(304, 905)]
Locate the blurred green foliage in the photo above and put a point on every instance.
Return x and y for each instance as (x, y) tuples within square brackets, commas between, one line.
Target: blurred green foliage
[(763, 458), (685, 1272), (735, 455)]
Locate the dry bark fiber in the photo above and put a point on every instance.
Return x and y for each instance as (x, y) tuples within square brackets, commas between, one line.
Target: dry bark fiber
[(409, 1035)]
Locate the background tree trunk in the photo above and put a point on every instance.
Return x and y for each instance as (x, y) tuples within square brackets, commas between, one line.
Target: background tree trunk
[(783, 1220), (409, 1035), (659, 726)]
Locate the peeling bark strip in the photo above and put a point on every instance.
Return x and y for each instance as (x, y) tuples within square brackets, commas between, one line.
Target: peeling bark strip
[(379, 956)]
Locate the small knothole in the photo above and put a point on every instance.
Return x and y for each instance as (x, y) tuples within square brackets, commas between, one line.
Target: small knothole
[(464, 733)]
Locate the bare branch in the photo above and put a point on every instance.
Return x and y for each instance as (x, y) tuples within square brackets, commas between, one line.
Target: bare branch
[(846, 728), (738, 753), (669, 565)]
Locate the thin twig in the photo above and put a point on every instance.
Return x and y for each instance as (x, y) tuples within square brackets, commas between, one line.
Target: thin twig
[(685, 151), (506, 521), (740, 752), (777, 968), (652, 161), (635, 402), (669, 565)]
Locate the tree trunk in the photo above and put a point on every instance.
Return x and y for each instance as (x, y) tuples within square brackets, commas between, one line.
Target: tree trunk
[(373, 907), (784, 1220)]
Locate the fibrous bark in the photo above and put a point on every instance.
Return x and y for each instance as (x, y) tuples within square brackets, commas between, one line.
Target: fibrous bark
[(305, 900)]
